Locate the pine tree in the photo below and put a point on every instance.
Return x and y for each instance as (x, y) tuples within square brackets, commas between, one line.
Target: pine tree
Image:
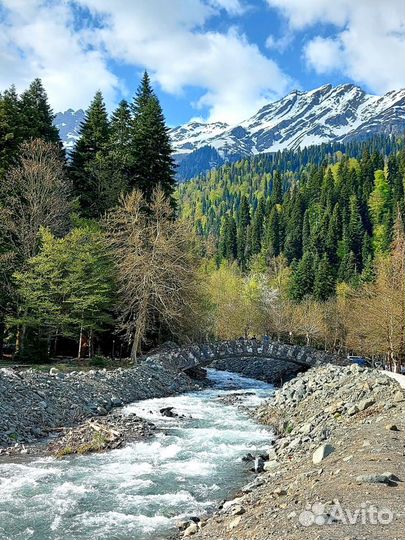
[(256, 230), (355, 231), (10, 128), (272, 234), (228, 241), (324, 284), (306, 232), (302, 279), (36, 115), (293, 228), (347, 268), (333, 235), (243, 220), (115, 160), (277, 195), (88, 166), (67, 288), (380, 203), (152, 163)]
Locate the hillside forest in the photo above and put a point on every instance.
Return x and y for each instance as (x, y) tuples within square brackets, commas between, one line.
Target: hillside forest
[(103, 254)]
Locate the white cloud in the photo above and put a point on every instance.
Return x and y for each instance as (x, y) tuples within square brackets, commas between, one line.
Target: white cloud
[(170, 38), (324, 54), (39, 41), (367, 46), (279, 44), (236, 76)]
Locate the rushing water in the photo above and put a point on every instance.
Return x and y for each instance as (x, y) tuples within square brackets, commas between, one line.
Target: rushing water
[(140, 491)]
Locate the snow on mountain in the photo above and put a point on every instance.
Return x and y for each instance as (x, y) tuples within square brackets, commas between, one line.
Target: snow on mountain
[(300, 119), (326, 114), (68, 124)]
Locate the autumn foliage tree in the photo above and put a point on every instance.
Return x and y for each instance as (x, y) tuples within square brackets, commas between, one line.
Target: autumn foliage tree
[(156, 268)]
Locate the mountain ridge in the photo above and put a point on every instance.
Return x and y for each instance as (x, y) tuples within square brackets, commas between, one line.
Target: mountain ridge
[(301, 118)]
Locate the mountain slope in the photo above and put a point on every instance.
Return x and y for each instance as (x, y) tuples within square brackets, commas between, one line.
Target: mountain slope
[(301, 119)]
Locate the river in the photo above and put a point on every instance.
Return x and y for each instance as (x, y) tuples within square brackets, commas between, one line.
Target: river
[(140, 491)]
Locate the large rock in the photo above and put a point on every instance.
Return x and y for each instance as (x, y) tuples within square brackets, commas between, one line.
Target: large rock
[(321, 453)]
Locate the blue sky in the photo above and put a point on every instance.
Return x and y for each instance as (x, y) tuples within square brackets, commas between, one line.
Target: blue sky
[(209, 59)]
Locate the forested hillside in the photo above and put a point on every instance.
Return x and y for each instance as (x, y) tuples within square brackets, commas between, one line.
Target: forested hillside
[(100, 255), (308, 245), (328, 209)]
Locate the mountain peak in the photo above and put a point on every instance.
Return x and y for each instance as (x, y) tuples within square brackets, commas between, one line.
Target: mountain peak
[(301, 118)]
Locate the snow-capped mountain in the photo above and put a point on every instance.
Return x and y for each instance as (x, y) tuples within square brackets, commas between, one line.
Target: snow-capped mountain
[(326, 114), (68, 124)]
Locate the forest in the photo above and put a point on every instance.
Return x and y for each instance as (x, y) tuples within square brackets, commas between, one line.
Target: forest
[(103, 254)]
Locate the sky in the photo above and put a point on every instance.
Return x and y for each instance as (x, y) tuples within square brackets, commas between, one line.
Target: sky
[(215, 60)]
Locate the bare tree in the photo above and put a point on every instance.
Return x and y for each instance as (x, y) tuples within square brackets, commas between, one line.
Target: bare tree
[(156, 267), (34, 193)]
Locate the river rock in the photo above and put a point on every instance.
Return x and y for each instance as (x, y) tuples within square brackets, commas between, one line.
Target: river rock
[(237, 510), (321, 453), (191, 529), (365, 404), (391, 427), (271, 465), (384, 478)]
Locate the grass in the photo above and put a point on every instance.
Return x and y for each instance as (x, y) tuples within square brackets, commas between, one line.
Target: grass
[(98, 443)]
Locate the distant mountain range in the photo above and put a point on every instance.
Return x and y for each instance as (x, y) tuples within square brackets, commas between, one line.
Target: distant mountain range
[(326, 114), (68, 123)]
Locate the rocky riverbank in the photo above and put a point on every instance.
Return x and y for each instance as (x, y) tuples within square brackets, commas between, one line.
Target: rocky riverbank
[(336, 469), (33, 404)]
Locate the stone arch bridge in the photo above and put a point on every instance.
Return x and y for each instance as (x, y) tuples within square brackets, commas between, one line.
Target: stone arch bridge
[(268, 360)]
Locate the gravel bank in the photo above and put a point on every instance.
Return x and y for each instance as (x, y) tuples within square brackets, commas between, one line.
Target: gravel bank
[(33, 404), (336, 470)]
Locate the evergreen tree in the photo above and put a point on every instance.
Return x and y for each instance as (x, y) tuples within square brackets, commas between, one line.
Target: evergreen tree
[(152, 163), (272, 240), (228, 241), (333, 235), (355, 231), (277, 195), (293, 229), (243, 221), (380, 203), (67, 288), (36, 115), (302, 279), (324, 284), (306, 232), (256, 230), (88, 166), (10, 128), (347, 268)]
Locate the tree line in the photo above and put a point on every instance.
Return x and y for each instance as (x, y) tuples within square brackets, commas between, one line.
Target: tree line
[(89, 244)]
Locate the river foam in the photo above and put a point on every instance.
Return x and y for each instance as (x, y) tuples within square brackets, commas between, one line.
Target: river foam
[(141, 490)]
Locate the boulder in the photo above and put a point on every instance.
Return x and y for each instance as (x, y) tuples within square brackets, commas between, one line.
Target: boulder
[(321, 453)]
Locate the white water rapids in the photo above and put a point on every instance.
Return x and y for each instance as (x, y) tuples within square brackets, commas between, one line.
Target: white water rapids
[(140, 491)]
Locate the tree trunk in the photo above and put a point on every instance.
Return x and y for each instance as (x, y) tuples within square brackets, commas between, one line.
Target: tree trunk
[(91, 344), (1, 338), (140, 326), (79, 351), (19, 342)]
